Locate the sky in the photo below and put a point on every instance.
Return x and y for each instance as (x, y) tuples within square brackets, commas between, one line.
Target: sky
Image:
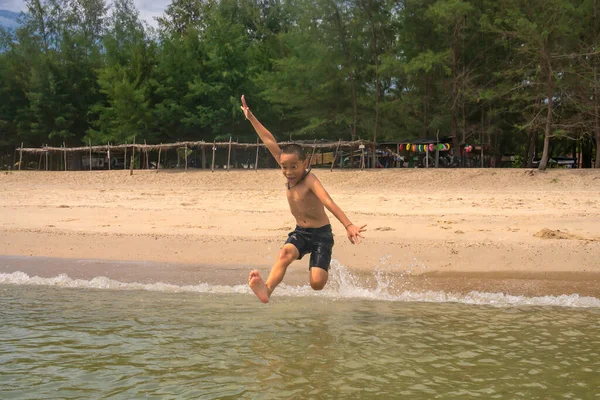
[(148, 8)]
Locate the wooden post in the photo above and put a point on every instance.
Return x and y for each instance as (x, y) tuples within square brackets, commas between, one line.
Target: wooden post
[(132, 158), (46, 157), (131, 162), (147, 162), (234, 155), (158, 162), (213, 156), (65, 154), (40, 162), (186, 157), (229, 153), (437, 149), (362, 157), (20, 156), (108, 151), (256, 161), (313, 153), (125, 157), (335, 155), (481, 144), (90, 141)]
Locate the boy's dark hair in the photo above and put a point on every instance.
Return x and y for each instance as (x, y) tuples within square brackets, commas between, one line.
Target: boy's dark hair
[(294, 149)]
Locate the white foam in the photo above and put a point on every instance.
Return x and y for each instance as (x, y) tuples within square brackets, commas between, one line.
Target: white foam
[(342, 285)]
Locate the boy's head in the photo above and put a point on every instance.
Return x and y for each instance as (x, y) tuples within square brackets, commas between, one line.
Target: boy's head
[(294, 149), (293, 162)]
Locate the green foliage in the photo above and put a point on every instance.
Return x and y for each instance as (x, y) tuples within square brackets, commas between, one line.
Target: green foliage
[(479, 71)]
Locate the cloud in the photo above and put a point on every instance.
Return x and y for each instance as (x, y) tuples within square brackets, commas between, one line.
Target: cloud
[(8, 23), (13, 5), (149, 9)]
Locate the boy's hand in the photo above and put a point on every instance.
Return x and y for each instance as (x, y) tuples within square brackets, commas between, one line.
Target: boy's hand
[(245, 109), (354, 233)]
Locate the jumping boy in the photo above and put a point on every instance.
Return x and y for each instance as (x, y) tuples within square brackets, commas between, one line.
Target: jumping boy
[(307, 199)]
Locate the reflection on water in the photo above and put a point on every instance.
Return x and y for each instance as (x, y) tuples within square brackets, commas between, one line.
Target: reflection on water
[(70, 343)]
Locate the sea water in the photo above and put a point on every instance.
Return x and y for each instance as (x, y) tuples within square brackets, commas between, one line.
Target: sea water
[(101, 338)]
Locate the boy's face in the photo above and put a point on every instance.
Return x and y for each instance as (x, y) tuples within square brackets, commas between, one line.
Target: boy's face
[(292, 167)]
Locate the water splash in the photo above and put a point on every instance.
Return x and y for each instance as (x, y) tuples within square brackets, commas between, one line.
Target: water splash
[(342, 285)]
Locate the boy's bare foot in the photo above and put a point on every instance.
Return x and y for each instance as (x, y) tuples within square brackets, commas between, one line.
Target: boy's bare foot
[(258, 286)]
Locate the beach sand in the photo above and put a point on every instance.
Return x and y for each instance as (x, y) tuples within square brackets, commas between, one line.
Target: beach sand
[(494, 230)]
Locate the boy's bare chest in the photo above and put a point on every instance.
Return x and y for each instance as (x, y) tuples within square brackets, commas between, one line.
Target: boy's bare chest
[(302, 199)]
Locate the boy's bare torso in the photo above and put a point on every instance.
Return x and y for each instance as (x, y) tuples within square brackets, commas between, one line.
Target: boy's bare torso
[(306, 206)]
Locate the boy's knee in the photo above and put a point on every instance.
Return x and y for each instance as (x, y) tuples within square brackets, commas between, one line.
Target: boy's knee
[(318, 278), (287, 254)]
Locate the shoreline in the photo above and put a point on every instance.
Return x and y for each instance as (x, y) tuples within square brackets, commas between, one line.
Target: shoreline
[(519, 231), (528, 284)]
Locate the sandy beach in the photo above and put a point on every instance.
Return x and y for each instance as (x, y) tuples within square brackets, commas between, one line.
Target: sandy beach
[(510, 231)]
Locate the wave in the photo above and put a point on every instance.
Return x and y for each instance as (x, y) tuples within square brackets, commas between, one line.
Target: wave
[(343, 285)]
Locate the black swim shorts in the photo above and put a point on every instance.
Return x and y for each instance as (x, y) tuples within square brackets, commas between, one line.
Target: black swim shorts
[(317, 241)]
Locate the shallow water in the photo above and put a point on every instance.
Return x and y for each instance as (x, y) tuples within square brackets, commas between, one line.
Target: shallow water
[(58, 342)]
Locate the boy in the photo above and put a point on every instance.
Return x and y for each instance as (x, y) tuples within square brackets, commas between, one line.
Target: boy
[(307, 199)]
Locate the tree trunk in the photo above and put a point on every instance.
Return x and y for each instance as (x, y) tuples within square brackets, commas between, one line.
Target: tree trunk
[(586, 153), (376, 56), (597, 128), (532, 137), (531, 151), (528, 151), (454, 107), (348, 55), (596, 94), (597, 119), (354, 106), (368, 9), (425, 109), (549, 95)]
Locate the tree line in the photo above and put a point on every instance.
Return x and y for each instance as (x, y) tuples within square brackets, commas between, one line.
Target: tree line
[(515, 76)]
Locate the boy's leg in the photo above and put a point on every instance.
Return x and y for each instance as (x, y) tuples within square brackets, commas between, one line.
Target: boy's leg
[(318, 278), (263, 289), (320, 259)]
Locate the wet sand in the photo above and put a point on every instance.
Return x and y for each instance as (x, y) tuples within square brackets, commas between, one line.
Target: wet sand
[(510, 231)]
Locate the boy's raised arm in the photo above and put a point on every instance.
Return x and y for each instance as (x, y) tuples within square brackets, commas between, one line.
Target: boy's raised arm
[(266, 136)]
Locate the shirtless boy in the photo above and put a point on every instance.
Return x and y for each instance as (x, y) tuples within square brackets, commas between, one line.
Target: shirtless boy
[(308, 199)]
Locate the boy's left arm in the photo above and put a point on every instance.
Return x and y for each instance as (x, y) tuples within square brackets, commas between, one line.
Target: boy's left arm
[(353, 232)]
